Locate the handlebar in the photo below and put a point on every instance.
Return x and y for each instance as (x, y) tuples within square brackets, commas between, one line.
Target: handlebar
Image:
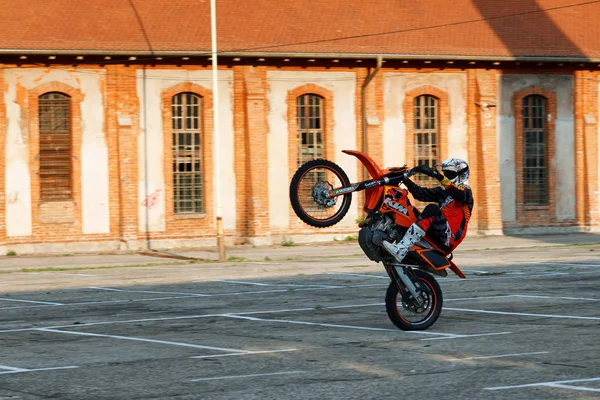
[(411, 172)]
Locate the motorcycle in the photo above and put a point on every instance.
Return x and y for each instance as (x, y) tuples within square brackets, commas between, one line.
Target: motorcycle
[(321, 193)]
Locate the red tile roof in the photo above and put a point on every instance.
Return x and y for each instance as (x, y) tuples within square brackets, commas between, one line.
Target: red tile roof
[(450, 28)]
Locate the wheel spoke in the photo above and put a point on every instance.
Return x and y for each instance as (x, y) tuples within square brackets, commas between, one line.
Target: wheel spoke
[(313, 193)]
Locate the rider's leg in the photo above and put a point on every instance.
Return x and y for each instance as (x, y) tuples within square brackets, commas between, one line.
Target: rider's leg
[(430, 218), (412, 236)]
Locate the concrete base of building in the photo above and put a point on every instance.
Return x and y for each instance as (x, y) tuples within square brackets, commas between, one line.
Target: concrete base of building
[(544, 230), (115, 246)]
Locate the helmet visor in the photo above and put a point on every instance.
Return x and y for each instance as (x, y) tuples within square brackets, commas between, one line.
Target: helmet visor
[(450, 174)]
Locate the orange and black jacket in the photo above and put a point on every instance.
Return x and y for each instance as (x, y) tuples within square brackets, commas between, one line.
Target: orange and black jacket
[(455, 201)]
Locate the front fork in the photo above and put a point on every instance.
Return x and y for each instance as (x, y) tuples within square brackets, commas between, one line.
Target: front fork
[(399, 275)]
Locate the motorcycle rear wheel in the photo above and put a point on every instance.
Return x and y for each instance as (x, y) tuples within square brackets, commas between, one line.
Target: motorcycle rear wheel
[(410, 317), (309, 193)]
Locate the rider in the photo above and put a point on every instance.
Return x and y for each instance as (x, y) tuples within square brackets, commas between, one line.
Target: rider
[(447, 222)]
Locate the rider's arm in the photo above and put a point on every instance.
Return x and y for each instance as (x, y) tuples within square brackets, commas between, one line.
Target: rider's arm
[(421, 193), (458, 193)]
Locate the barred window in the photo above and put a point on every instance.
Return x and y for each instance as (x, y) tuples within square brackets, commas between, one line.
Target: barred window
[(309, 115), (535, 162), (426, 132), (188, 188), (54, 112)]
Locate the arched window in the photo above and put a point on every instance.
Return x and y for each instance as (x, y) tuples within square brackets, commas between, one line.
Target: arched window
[(309, 114), (426, 132), (188, 189), (535, 161), (54, 111)]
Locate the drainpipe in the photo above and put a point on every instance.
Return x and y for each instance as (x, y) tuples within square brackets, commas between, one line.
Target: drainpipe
[(363, 105)]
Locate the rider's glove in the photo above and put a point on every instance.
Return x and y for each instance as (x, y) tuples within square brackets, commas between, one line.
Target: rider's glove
[(434, 173)]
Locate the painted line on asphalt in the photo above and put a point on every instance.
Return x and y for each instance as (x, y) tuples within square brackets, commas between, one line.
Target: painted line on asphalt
[(469, 336), (22, 370), (12, 368), (246, 354), (499, 356), (130, 321), (85, 303), (367, 328), (359, 275), (555, 297), (148, 291), (136, 339), (523, 314), (247, 376), (503, 296), (561, 384), (560, 264), (32, 301), (274, 284)]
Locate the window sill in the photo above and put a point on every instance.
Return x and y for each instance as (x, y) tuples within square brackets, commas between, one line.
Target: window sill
[(535, 208), (190, 216)]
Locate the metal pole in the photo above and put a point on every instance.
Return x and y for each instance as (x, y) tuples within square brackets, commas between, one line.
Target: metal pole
[(216, 134), (363, 110)]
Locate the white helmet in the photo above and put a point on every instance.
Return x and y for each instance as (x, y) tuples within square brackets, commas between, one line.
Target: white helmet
[(456, 170)]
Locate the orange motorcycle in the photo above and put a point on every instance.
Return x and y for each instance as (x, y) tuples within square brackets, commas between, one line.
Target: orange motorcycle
[(321, 193)]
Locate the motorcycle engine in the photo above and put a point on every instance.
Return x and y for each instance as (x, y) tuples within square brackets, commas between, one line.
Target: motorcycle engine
[(371, 236)]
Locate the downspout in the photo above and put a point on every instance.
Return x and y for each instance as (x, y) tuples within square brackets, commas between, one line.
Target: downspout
[(363, 105)]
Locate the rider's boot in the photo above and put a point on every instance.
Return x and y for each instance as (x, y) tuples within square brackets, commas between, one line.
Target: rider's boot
[(399, 250)]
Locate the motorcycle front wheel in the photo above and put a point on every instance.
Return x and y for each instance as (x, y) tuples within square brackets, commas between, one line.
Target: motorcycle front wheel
[(309, 193), (409, 315)]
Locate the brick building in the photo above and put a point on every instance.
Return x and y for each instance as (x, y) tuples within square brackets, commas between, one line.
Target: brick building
[(106, 113)]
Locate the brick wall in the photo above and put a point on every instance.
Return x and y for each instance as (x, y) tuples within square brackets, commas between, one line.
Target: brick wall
[(61, 223)]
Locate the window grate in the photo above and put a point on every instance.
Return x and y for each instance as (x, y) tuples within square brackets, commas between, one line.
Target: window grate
[(55, 146), (426, 135), (188, 186), (535, 175), (309, 121)]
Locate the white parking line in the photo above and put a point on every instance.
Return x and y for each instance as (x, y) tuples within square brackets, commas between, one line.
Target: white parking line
[(498, 356), (84, 303), (21, 370), (367, 328), (558, 264), (12, 368), (274, 284), (523, 314), (555, 297), (468, 336), (247, 376), (149, 291), (31, 301), (360, 275), (195, 346), (245, 354), (560, 384)]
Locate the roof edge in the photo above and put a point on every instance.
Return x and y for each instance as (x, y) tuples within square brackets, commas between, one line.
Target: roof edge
[(207, 53)]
